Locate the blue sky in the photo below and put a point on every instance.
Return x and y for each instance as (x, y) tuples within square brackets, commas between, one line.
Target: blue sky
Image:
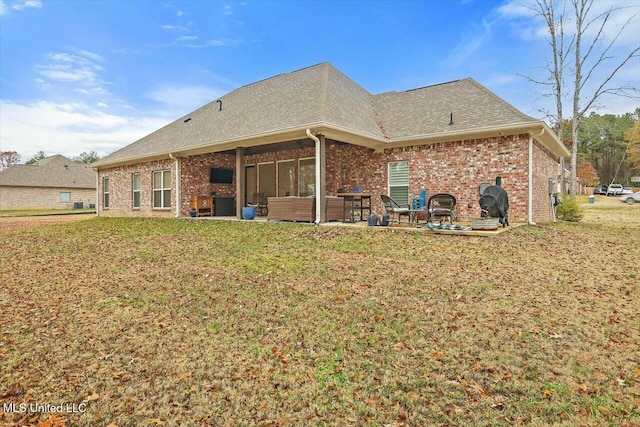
[(97, 75)]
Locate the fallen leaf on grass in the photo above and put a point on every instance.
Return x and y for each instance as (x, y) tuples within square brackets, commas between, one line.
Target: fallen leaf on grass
[(53, 421), (547, 394), (436, 355), (157, 421), (92, 397)]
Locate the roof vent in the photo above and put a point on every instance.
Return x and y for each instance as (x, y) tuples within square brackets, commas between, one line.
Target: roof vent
[(219, 101), (186, 120), (451, 120)]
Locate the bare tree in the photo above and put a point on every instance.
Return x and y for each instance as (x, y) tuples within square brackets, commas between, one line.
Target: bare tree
[(586, 66), (8, 158)]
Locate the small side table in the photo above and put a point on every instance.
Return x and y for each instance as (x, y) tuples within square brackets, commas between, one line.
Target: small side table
[(355, 202)]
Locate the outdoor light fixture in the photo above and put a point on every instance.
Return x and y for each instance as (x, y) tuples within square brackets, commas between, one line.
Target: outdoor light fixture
[(451, 120)]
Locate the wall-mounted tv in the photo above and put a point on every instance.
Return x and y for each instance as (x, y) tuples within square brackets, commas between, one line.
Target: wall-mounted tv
[(221, 176)]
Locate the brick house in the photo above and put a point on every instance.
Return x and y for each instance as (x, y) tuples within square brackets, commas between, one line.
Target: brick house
[(315, 131), (54, 182)]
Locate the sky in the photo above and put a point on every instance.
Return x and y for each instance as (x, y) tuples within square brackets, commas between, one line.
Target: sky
[(90, 75)]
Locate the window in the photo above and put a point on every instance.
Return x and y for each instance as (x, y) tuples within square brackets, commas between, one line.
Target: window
[(135, 186), (286, 178), (65, 196), (399, 182), (162, 189), (307, 177), (105, 193)]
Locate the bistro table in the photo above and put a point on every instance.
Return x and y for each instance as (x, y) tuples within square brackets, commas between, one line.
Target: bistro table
[(355, 202)]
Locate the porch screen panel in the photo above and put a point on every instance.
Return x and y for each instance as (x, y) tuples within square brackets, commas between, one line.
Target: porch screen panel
[(286, 178), (399, 182), (250, 183), (267, 179), (307, 177)]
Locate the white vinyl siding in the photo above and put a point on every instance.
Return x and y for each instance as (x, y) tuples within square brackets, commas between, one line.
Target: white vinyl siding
[(399, 182)]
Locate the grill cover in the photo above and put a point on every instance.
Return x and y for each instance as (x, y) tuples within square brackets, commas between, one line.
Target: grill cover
[(494, 203)]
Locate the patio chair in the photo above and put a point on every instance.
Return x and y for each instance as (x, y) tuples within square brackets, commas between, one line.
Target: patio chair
[(260, 203), (394, 209), (442, 205)]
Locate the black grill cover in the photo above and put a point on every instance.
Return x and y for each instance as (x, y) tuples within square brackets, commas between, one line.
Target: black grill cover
[(494, 202)]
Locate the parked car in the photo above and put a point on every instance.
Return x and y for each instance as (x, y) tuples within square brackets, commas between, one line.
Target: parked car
[(630, 198), (614, 190), (600, 189), (627, 190)]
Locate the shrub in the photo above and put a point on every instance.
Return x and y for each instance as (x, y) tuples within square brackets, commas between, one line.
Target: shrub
[(569, 210)]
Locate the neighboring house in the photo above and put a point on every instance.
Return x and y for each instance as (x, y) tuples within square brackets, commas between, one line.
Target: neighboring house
[(315, 131), (51, 183)]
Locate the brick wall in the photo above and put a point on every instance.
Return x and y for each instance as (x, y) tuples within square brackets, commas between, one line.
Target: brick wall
[(120, 189), (454, 167), (544, 167), (44, 198)]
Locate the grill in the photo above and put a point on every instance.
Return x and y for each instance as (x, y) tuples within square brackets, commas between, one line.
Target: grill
[(494, 202)]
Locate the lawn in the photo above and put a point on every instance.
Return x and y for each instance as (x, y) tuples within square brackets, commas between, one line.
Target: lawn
[(148, 322)]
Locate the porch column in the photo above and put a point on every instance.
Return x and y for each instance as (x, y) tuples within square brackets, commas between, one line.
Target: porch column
[(240, 202), (321, 193)]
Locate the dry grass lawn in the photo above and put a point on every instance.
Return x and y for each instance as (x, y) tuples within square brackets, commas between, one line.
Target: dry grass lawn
[(147, 322)]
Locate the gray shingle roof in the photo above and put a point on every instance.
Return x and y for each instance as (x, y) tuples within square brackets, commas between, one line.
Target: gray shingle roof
[(320, 96), (54, 171), (428, 110)]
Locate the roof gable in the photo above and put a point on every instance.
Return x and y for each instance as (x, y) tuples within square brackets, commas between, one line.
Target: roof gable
[(54, 171), (430, 110), (322, 97)]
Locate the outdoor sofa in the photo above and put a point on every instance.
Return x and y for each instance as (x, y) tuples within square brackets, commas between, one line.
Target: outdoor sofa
[(302, 209)]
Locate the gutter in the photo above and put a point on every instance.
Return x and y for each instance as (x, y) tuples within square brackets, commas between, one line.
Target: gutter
[(317, 141), (171, 156)]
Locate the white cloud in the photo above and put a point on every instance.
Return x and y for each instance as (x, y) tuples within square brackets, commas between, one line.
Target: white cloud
[(26, 4), (179, 13), (81, 68), (470, 44), (182, 99), (167, 27), (69, 128), (2, 7), (185, 38)]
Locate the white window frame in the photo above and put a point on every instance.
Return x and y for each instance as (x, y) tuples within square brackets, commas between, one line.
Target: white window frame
[(65, 197), (164, 204), (105, 192), (396, 181), (136, 191)]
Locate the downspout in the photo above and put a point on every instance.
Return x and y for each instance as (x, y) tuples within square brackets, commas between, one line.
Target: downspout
[(178, 204), (530, 203), (317, 141), (97, 191)]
